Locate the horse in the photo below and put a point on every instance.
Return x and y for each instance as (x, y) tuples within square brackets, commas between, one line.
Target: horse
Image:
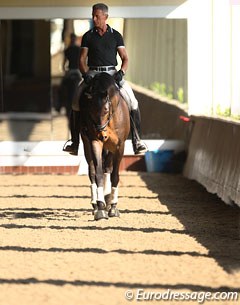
[(67, 90), (105, 126)]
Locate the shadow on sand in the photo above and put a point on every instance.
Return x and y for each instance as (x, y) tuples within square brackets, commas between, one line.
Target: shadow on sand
[(205, 217)]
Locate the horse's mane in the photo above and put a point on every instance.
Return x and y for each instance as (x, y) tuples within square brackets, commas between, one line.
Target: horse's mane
[(103, 84)]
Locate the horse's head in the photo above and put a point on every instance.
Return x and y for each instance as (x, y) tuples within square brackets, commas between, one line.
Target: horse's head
[(99, 103)]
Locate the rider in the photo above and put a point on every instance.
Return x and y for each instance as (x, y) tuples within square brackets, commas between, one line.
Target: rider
[(99, 49), (70, 66), (71, 55)]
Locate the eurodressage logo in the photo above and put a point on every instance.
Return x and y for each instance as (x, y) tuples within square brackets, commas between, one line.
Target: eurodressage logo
[(234, 2)]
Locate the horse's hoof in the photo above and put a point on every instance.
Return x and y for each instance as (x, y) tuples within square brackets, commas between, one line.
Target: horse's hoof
[(113, 212), (100, 214), (95, 208)]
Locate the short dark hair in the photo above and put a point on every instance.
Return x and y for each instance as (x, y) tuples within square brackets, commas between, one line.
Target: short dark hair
[(100, 6)]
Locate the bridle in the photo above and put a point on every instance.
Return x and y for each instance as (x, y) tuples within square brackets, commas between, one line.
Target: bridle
[(100, 128)]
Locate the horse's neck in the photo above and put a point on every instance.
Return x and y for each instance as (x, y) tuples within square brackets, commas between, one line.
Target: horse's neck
[(115, 102)]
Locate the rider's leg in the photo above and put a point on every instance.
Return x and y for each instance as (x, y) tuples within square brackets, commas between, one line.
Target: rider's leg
[(75, 122), (135, 118), (75, 130)]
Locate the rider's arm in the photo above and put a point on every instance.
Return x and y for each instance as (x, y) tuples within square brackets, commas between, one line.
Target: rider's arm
[(124, 57), (83, 60)]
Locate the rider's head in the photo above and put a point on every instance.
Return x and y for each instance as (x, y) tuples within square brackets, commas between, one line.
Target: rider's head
[(100, 6), (73, 37), (99, 14)]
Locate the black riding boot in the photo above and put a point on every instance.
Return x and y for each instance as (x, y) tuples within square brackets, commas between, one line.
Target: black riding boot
[(138, 146), (75, 129)]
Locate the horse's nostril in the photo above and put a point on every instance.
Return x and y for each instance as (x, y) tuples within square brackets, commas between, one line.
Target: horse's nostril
[(104, 137)]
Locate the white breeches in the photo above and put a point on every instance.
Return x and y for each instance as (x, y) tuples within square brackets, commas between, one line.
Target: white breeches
[(126, 92)]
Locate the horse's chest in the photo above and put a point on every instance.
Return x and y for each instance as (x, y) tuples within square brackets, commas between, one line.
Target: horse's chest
[(112, 141)]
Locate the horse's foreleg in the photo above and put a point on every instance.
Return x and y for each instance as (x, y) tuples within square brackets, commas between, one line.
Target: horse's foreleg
[(107, 190), (91, 170), (107, 184), (94, 196), (114, 195), (113, 212), (97, 198), (107, 179), (101, 206)]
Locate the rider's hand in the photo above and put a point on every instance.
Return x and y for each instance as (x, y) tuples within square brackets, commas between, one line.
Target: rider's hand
[(118, 76), (87, 78)]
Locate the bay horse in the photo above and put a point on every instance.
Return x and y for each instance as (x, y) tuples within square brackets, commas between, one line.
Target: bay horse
[(105, 125)]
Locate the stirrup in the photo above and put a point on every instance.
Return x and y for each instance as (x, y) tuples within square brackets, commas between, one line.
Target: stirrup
[(71, 149)]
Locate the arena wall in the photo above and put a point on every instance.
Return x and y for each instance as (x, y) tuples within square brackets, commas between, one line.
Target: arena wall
[(213, 157), (161, 118), (212, 144)]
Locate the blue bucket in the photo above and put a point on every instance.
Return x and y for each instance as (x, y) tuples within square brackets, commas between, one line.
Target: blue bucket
[(158, 161)]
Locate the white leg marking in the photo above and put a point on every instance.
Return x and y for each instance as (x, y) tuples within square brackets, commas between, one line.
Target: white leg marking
[(107, 184), (100, 194), (93, 193), (114, 195)]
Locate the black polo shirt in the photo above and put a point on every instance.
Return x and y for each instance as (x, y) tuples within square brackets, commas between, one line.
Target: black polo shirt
[(102, 50)]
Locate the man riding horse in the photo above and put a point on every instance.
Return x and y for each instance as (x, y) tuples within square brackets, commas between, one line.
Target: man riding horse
[(99, 49)]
